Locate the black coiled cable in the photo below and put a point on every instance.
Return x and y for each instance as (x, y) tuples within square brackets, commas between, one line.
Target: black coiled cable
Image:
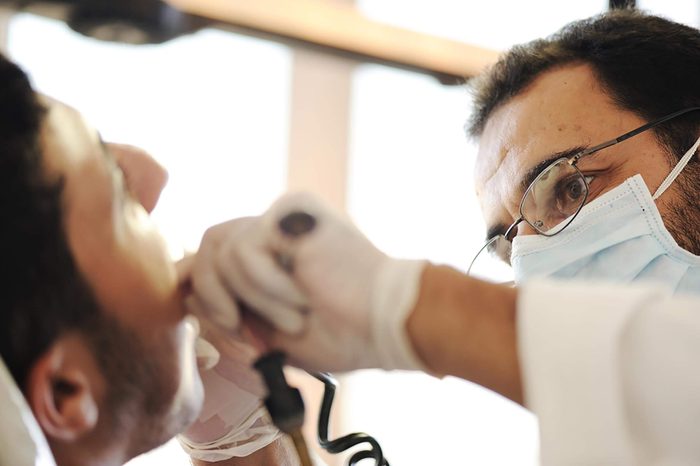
[(346, 442)]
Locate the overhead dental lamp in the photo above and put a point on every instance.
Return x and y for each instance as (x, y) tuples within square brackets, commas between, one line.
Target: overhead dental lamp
[(127, 21)]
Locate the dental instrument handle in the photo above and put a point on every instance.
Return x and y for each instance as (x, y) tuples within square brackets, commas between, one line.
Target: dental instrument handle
[(283, 402), (300, 447)]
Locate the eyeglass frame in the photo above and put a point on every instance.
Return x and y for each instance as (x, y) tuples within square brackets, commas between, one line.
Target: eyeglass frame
[(573, 160)]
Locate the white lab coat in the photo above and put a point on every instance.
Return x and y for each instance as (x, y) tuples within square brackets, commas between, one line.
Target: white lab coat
[(612, 373)]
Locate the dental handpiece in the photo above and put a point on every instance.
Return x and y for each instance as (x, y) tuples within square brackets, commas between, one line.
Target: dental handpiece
[(284, 403)]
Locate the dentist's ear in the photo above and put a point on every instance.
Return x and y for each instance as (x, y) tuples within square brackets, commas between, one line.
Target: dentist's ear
[(63, 390)]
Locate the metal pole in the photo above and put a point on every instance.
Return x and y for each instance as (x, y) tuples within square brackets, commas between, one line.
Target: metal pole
[(6, 14)]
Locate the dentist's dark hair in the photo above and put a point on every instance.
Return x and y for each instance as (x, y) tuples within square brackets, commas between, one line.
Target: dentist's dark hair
[(646, 64)]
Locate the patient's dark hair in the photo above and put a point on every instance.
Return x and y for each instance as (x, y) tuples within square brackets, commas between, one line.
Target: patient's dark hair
[(42, 291), (646, 64)]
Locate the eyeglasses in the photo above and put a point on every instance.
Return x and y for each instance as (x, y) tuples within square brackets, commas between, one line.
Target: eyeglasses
[(556, 196)]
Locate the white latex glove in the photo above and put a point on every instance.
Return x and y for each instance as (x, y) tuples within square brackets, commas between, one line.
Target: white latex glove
[(233, 422), (339, 302)]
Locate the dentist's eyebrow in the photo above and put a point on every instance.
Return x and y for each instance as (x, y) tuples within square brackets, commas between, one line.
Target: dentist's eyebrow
[(534, 172)]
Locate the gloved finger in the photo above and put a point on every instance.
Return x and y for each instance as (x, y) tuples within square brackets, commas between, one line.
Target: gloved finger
[(226, 399), (263, 271), (234, 359), (283, 315), (303, 351), (233, 346), (242, 374), (207, 355), (211, 300), (203, 431), (195, 307), (217, 303)]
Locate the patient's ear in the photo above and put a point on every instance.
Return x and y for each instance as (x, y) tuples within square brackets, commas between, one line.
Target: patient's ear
[(63, 389)]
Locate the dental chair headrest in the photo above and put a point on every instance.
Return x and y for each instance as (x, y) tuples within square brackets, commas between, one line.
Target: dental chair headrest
[(21, 440)]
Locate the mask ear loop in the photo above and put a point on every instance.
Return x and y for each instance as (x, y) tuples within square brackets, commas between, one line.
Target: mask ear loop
[(676, 170)]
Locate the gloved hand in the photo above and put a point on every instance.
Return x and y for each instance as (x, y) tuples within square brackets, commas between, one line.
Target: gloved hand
[(233, 422), (339, 303)]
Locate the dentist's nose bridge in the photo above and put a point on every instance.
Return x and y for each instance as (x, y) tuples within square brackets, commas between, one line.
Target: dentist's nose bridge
[(525, 228)]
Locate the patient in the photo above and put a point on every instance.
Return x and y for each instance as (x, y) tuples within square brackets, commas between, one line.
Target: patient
[(94, 330)]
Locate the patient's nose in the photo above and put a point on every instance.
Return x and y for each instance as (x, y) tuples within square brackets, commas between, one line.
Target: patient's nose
[(145, 177)]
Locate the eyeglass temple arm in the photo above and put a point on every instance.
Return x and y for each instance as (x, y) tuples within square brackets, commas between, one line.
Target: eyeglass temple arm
[(491, 240), (511, 228), (486, 245), (632, 133)]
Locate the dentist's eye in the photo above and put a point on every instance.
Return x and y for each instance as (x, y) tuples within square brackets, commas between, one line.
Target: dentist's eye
[(568, 194)]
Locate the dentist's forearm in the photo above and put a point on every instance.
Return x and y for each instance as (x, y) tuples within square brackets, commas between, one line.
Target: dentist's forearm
[(465, 327)]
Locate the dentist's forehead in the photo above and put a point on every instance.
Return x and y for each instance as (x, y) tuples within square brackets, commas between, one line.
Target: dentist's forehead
[(499, 149), (542, 119), (561, 109)]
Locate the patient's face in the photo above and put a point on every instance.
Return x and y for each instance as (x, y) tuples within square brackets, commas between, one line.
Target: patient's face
[(108, 193)]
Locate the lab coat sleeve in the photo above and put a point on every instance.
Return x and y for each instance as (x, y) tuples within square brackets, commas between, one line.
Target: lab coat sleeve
[(612, 373)]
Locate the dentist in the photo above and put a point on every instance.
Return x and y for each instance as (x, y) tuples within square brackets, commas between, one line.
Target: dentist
[(600, 128)]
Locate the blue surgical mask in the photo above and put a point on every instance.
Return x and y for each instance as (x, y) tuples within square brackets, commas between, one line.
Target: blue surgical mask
[(619, 237)]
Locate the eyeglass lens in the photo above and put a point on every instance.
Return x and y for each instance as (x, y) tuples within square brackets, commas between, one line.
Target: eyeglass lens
[(557, 193)]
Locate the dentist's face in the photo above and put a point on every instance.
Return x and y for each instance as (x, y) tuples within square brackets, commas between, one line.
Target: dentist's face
[(560, 113), (108, 193)]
